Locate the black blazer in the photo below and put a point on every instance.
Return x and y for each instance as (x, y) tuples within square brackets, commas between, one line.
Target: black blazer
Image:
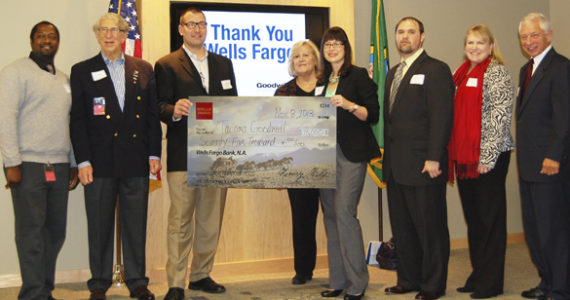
[(419, 127), (354, 136), (117, 144), (177, 78), (543, 118)]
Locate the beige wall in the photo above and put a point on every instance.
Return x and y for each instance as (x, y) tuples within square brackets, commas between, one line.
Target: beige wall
[(74, 20), (561, 25), (445, 21)]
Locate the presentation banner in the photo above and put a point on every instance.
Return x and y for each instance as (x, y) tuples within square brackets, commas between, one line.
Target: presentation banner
[(258, 44), (262, 142)]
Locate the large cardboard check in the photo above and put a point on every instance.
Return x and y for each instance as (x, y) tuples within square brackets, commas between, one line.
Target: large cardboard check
[(262, 142)]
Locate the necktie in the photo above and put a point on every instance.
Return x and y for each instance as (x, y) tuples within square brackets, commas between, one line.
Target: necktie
[(528, 75), (396, 84)]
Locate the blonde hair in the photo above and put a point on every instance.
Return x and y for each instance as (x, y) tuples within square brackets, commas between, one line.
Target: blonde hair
[(118, 20), (483, 31), (314, 51)]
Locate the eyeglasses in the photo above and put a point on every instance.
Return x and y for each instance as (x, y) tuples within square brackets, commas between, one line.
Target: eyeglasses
[(192, 25), (532, 36), (333, 44), (112, 30)]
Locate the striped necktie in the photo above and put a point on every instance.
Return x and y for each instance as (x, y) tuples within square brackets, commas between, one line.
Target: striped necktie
[(396, 84)]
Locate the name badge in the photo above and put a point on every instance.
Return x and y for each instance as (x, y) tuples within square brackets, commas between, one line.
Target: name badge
[(226, 84), (319, 90), (418, 79), (98, 75), (49, 172), (98, 106), (471, 82)]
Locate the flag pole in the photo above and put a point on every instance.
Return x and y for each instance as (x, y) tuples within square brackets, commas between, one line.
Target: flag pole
[(380, 214), (378, 70), (119, 273)]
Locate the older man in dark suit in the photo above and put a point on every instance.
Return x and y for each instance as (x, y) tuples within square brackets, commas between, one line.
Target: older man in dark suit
[(418, 118), (116, 136), (195, 214), (543, 137)]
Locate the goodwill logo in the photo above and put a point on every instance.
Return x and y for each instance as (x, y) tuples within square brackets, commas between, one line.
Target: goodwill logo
[(258, 44)]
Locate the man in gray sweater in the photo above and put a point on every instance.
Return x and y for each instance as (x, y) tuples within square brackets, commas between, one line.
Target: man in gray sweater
[(35, 146)]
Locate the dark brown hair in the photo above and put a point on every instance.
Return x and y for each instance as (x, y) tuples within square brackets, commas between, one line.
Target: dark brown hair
[(193, 10), (338, 34)]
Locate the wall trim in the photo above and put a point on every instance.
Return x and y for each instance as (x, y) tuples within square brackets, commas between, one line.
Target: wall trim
[(230, 271)]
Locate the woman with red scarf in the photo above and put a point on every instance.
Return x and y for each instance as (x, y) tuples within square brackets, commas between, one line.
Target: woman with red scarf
[(479, 153)]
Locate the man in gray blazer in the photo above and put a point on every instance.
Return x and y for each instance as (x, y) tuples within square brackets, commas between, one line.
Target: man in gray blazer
[(195, 214), (418, 117), (543, 137)]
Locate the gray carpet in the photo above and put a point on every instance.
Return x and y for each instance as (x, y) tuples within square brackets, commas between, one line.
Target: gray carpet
[(520, 274)]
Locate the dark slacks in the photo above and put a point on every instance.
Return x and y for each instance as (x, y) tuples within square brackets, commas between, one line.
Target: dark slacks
[(40, 213), (304, 210), (418, 215), (484, 203), (100, 199), (546, 222)]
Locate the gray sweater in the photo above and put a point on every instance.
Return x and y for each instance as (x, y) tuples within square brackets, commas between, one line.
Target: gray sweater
[(34, 114)]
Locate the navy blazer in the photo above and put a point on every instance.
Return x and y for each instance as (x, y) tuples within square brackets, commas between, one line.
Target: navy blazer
[(354, 136), (419, 126), (543, 118), (176, 78), (117, 144)]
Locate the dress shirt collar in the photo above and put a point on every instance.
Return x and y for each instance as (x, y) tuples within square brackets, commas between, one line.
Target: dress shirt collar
[(193, 56), (538, 59), (411, 59), (42, 64), (107, 61)]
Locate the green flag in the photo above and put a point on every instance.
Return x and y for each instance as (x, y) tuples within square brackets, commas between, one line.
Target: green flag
[(379, 67)]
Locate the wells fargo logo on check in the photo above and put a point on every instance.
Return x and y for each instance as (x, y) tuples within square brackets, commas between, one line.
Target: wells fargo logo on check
[(262, 142), (204, 111)]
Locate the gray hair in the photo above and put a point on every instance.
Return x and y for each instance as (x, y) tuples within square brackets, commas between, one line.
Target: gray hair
[(542, 20), (117, 19)]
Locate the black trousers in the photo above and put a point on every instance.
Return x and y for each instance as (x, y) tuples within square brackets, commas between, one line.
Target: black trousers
[(100, 199), (546, 222), (418, 215), (484, 202), (40, 214), (304, 210)]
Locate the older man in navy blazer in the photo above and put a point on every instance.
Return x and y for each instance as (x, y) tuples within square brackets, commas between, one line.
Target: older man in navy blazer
[(116, 136), (418, 117), (543, 137)]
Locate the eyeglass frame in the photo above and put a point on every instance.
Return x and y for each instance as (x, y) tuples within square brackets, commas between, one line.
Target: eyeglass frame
[(112, 30), (192, 25), (333, 45), (533, 36)]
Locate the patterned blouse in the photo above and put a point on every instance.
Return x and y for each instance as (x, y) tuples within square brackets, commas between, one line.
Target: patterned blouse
[(496, 114)]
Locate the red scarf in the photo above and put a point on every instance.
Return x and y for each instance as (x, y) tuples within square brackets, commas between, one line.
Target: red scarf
[(465, 142)]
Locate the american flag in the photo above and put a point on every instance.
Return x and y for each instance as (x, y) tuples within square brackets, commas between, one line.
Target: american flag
[(127, 9)]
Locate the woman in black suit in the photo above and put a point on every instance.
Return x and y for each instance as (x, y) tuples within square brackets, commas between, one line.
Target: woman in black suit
[(306, 66), (354, 94)]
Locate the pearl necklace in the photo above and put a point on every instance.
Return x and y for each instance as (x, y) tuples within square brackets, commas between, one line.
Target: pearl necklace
[(333, 80)]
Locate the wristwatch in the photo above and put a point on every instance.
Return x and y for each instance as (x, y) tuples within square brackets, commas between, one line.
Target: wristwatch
[(354, 108)]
